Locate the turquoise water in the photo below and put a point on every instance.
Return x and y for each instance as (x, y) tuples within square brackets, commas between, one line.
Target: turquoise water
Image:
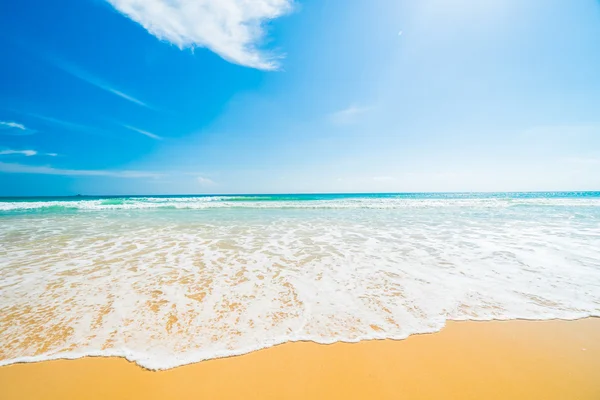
[(368, 200), (170, 280)]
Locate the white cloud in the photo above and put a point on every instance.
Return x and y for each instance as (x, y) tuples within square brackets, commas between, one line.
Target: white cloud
[(94, 80), (27, 153), (47, 170), (230, 28), (124, 95), (15, 125), (205, 181), (146, 133), (14, 129), (348, 115)]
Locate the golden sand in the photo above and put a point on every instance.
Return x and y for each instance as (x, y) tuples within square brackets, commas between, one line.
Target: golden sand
[(467, 360)]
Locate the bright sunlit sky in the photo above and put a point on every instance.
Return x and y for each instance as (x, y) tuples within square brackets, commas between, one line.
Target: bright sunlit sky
[(269, 96)]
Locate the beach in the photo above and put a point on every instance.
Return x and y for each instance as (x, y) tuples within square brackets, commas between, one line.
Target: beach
[(290, 199), (466, 360), (276, 296)]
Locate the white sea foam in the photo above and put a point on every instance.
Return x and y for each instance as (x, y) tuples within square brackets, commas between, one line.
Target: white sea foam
[(167, 287), (258, 202)]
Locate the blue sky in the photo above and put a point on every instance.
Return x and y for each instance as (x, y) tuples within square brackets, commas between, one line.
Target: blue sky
[(215, 96)]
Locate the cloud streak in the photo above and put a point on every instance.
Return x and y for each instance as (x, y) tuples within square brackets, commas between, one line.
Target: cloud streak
[(143, 132), (27, 153), (14, 168), (95, 81), (14, 125), (14, 129), (72, 126), (230, 28), (63, 123), (123, 95)]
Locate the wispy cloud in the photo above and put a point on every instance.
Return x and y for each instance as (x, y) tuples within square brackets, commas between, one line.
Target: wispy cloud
[(15, 168), (349, 115), (205, 181), (95, 81), (14, 125), (230, 28), (124, 96), (72, 126), (27, 153), (61, 122), (14, 128), (143, 132)]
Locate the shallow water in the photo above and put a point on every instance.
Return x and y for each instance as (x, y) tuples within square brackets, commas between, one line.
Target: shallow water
[(166, 281)]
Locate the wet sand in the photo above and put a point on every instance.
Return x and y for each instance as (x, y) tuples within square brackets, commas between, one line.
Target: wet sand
[(466, 360)]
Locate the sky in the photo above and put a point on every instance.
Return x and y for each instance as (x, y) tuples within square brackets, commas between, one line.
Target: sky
[(280, 96)]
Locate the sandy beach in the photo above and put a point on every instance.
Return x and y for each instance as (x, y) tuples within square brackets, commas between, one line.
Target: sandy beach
[(466, 360), (300, 200)]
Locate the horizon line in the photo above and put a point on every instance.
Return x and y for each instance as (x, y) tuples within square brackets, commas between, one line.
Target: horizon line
[(297, 194)]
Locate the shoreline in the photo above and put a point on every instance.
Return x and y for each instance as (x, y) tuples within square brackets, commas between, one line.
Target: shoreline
[(551, 359), (244, 352)]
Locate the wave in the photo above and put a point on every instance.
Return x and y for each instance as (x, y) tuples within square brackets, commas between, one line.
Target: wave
[(168, 289), (152, 363), (200, 203)]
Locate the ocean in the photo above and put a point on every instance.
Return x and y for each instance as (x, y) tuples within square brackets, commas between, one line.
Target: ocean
[(171, 280)]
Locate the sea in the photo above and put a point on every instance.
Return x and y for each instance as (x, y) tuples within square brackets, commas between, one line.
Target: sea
[(166, 281)]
